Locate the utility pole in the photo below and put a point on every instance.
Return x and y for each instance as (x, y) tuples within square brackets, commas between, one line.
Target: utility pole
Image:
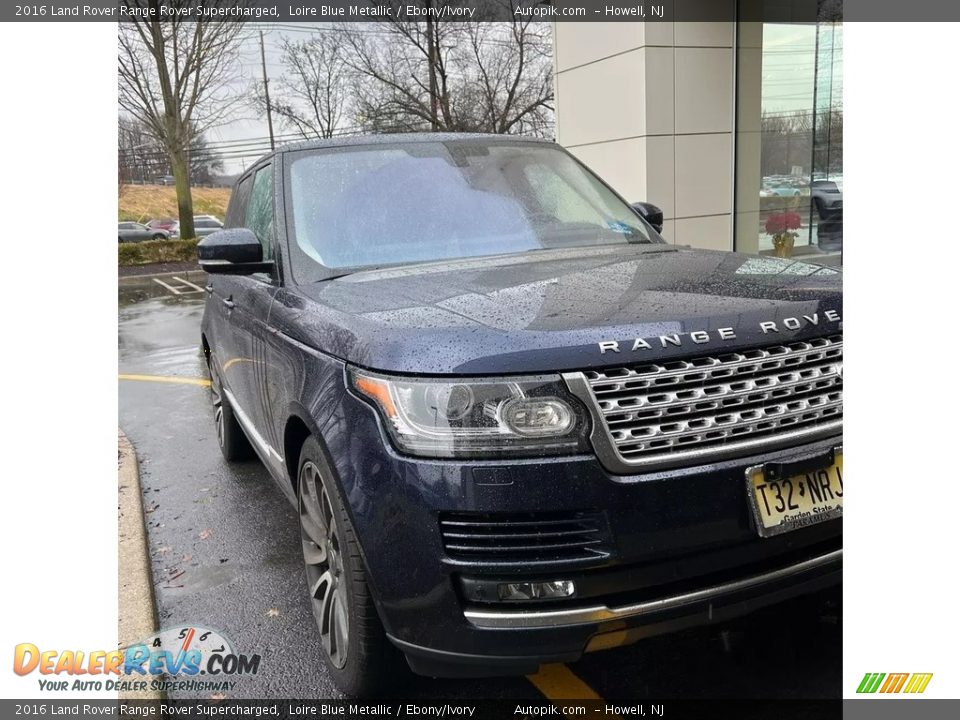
[(431, 51), (266, 89)]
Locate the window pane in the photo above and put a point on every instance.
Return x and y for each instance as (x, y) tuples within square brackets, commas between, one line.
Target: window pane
[(260, 210), (789, 194), (237, 210)]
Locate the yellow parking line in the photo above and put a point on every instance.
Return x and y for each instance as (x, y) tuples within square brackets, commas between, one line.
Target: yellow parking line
[(202, 382), (557, 682)]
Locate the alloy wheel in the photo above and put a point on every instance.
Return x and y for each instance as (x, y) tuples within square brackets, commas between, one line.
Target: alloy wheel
[(217, 398), (320, 537)]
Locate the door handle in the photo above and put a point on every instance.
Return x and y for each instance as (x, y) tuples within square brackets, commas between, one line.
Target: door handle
[(209, 289), (228, 301)]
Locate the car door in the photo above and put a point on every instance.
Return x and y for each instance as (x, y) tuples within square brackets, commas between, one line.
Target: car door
[(253, 297), (225, 341)]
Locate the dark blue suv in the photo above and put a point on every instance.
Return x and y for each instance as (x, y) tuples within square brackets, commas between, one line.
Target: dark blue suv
[(517, 424)]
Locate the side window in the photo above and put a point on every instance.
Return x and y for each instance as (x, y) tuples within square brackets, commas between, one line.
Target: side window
[(260, 210), (237, 210)]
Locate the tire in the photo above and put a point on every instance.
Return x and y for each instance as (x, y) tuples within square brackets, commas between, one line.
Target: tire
[(230, 436), (159, 236), (359, 658)]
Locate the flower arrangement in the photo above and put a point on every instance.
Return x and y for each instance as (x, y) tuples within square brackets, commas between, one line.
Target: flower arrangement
[(781, 226)]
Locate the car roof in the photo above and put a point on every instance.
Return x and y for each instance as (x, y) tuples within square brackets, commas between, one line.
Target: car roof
[(396, 139)]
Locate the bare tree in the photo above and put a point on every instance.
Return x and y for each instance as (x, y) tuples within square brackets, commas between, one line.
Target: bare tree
[(453, 76), (143, 158), (785, 141), (174, 77), (312, 96), (512, 68)]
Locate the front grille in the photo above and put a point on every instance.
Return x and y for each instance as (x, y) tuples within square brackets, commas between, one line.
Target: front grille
[(524, 538), (719, 405)]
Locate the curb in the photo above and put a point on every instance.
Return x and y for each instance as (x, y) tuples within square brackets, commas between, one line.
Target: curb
[(136, 605)]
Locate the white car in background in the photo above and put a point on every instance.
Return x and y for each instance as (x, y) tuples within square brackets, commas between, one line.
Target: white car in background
[(203, 225)]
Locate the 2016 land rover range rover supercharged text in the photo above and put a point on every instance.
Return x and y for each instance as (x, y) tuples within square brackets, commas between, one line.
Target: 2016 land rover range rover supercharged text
[(516, 423)]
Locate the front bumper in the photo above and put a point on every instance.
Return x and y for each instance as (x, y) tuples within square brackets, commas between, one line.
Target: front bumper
[(601, 627), (602, 614), (677, 548)]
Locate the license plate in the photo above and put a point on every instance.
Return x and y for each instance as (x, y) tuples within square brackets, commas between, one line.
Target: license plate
[(784, 504)]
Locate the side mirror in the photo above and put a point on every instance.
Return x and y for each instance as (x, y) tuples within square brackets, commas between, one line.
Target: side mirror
[(651, 213), (235, 251)]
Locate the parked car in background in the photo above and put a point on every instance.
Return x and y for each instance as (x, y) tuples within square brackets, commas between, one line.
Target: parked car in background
[(827, 198), (164, 180), (836, 179), (203, 225), (784, 185), (137, 232), (165, 223), (782, 190)]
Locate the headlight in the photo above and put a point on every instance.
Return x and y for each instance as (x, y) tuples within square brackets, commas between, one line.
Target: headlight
[(477, 418)]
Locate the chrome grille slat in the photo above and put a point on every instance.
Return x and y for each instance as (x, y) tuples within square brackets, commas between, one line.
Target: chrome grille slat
[(713, 367), (713, 405), (753, 386), (520, 535), (536, 547), (737, 426), (483, 524), (520, 539)]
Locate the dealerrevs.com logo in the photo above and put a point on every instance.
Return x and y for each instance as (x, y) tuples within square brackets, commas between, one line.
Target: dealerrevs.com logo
[(911, 683), (182, 654)]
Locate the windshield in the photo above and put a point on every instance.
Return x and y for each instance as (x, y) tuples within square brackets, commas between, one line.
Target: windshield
[(371, 206)]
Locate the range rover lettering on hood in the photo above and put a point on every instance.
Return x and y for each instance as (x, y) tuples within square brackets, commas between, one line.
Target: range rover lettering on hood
[(699, 337)]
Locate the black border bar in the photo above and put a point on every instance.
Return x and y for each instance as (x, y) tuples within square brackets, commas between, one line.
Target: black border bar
[(315, 11)]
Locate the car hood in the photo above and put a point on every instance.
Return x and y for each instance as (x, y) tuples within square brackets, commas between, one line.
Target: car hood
[(551, 311)]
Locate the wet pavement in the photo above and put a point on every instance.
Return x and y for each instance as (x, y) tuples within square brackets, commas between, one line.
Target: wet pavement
[(224, 547)]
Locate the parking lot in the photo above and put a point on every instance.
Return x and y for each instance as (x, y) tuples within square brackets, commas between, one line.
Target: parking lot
[(225, 554)]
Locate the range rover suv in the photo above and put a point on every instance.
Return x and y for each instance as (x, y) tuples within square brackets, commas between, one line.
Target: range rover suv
[(516, 423)]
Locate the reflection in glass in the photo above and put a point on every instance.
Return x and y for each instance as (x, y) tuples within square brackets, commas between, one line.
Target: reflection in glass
[(789, 190)]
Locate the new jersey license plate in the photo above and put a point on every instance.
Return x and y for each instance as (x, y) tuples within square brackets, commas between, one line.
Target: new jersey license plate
[(781, 504)]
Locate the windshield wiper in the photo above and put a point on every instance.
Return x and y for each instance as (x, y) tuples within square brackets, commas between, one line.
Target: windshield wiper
[(334, 276)]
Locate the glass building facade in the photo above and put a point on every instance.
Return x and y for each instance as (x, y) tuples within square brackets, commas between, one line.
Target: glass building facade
[(788, 198)]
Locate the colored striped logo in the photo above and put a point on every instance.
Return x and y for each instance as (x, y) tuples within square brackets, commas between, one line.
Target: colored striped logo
[(894, 682)]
